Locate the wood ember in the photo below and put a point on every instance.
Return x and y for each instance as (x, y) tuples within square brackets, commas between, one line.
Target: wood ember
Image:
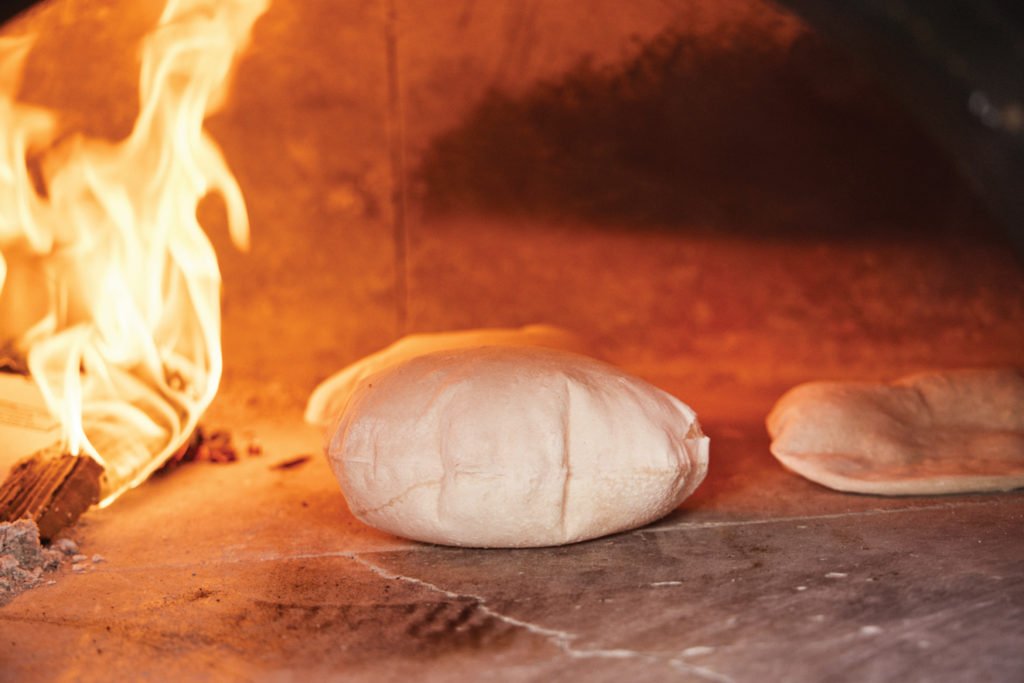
[(52, 488), (23, 559), (216, 446)]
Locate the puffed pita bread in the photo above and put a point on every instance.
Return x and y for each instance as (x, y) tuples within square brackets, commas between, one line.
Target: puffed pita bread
[(329, 397), (955, 431), (513, 447)]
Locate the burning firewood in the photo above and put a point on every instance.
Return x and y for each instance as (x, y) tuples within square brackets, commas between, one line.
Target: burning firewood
[(52, 488), (129, 356), (110, 288)]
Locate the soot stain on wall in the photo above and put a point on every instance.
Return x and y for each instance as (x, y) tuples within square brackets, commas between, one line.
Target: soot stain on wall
[(744, 136)]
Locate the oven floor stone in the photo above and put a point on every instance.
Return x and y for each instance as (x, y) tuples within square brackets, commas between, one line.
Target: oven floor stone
[(249, 572)]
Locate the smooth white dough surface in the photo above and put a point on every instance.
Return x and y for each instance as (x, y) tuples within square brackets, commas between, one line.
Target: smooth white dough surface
[(513, 447), (955, 431), (329, 397)]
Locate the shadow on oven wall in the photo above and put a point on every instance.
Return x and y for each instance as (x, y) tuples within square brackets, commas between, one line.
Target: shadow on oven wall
[(697, 134)]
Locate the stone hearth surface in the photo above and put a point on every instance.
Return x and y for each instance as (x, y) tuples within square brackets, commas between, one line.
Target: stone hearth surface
[(247, 572), (811, 233)]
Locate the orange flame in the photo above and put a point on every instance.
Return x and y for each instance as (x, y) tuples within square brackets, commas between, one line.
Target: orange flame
[(123, 332)]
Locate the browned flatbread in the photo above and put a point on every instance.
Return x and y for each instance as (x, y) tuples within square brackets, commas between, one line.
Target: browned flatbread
[(956, 431)]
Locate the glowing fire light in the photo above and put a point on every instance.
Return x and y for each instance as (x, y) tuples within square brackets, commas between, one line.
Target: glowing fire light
[(108, 284)]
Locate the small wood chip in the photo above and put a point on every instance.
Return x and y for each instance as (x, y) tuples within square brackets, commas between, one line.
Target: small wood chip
[(292, 463)]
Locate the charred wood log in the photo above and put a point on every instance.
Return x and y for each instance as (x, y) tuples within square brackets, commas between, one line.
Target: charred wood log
[(52, 488)]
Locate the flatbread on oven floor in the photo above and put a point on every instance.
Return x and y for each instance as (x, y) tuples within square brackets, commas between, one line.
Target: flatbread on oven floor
[(509, 446), (955, 431)]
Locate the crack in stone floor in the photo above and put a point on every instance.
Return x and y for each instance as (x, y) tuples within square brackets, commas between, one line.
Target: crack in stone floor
[(560, 639)]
